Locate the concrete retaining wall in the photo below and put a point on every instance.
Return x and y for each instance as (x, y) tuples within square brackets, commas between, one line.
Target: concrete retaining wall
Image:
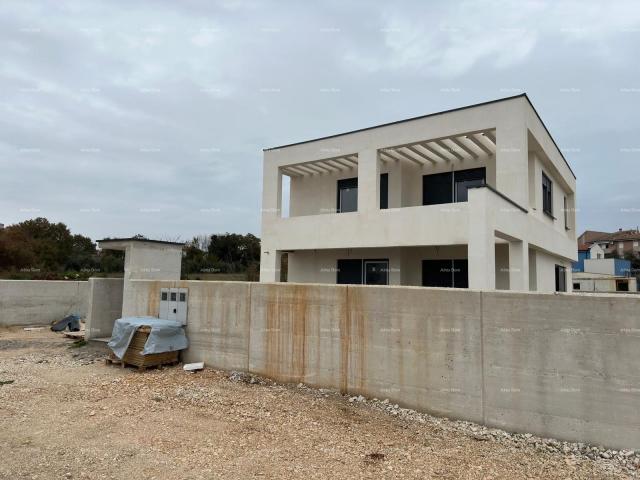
[(562, 366), (40, 302), (105, 306)]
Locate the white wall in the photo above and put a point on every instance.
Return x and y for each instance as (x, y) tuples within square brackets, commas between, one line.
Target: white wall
[(602, 265), (405, 264), (546, 272), (105, 306), (40, 302), (525, 362), (522, 147)]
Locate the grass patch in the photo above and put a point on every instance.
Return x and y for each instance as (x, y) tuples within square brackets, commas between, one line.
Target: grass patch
[(78, 344)]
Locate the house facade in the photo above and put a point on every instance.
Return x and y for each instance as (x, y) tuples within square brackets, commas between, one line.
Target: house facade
[(477, 197), (618, 244)]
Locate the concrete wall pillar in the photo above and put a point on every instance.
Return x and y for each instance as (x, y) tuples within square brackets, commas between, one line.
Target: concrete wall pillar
[(270, 261), (368, 181), (519, 266), (512, 160), (482, 245), (271, 192)]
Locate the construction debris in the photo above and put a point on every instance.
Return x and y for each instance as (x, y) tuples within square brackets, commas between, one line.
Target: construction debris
[(71, 322)]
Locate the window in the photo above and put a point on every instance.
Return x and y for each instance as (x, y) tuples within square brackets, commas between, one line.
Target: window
[(367, 272), (384, 191), (437, 188), (465, 179), (376, 272), (576, 285), (445, 273), (349, 272), (173, 296), (164, 296), (183, 297), (561, 278), (451, 187), (566, 214), (347, 195), (622, 285), (547, 195)]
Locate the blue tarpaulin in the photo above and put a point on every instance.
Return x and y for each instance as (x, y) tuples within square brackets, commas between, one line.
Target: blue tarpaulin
[(165, 335)]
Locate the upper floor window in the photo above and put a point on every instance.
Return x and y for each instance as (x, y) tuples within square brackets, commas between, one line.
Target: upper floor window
[(347, 195), (450, 187), (384, 191), (566, 213), (547, 195)]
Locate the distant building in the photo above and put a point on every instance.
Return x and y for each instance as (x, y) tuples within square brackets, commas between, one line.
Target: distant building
[(601, 282), (618, 243), (593, 272)]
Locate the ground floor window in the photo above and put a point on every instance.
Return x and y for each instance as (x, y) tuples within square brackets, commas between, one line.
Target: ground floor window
[(445, 273), (576, 286), (622, 285), (561, 278), (363, 271)]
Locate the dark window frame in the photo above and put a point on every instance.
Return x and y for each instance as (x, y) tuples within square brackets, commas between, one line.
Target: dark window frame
[(547, 195), (343, 184), (561, 278), (454, 265), (362, 262), (445, 185), (364, 269), (384, 191)]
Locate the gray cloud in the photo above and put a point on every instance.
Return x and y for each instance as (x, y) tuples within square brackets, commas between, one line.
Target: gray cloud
[(150, 117)]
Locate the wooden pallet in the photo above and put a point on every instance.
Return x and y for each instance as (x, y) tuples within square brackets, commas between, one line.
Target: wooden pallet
[(134, 357)]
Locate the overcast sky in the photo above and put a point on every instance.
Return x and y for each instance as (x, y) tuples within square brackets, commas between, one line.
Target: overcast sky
[(119, 118)]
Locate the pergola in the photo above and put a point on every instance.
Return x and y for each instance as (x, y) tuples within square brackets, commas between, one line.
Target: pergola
[(467, 146), (463, 147)]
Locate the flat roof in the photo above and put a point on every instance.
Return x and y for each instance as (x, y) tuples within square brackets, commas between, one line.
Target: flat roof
[(135, 239), (522, 95)]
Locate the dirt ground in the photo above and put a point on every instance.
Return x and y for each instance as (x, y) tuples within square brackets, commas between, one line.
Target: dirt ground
[(68, 415)]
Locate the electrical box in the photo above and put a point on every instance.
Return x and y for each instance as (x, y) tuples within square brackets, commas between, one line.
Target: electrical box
[(173, 304)]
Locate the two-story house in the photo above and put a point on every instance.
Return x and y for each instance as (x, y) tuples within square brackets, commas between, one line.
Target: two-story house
[(478, 197)]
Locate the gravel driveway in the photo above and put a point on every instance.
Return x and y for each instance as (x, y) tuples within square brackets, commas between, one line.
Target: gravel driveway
[(68, 415)]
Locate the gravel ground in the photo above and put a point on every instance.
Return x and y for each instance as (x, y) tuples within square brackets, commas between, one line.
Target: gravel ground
[(68, 415)]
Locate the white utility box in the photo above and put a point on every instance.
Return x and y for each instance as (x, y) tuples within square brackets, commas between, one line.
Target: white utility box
[(173, 304)]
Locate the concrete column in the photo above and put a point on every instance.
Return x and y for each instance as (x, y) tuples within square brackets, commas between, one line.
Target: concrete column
[(270, 265), (368, 181), (271, 192), (512, 160), (519, 266), (481, 250)]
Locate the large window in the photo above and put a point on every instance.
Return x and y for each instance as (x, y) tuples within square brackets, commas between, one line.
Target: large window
[(547, 195), (445, 273), (367, 272), (561, 278), (347, 195), (450, 187)]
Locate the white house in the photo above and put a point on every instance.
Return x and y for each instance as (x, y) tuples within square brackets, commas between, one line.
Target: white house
[(478, 196)]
